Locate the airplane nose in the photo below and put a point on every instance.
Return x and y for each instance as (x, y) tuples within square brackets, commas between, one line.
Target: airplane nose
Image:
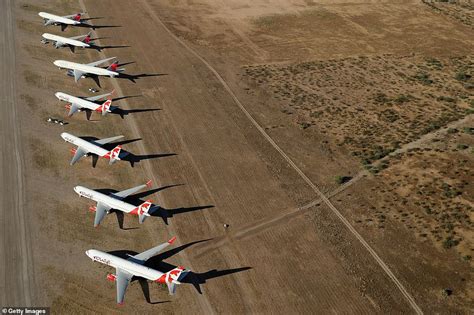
[(88, 253), (56, 94)]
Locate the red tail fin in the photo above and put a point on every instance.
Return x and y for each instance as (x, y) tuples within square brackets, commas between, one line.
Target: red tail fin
[(144, 207), (87, 40), (113, 67), (105, 107), (171, 276), (114, 154), (77, 17)]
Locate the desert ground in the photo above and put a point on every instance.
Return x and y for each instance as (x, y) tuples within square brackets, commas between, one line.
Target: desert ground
[(335, 138)]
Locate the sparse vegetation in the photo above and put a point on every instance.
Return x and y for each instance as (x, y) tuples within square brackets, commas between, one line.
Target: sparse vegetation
[(342, 179), (356, 99)]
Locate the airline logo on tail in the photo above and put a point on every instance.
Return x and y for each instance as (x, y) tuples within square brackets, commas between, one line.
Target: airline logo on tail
[(144, 207), (77, 17), (113, 67), (171, 276), (104, 108), (114, 154)]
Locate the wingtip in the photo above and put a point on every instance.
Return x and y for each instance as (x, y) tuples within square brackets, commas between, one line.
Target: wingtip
[(148, 183), (171, 241)]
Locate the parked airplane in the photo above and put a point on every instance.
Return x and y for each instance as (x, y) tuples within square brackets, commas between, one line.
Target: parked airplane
[(78, 70), (82, 41), (85, 148), (77, 104), (63, 21), (114, 201), (134, 266)]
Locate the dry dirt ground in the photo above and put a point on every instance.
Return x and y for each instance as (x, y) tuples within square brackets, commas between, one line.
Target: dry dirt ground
[(278, 254), (461, 10)]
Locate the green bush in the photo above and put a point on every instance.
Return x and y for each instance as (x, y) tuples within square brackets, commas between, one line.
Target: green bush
[(450, 242), (462, 76), (342, 179)]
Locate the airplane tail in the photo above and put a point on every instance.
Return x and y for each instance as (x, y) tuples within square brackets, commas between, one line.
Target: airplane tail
[(113, 66), (77, 17), (113, 155), (87, 39), (173, 277), (143, 211), (105, 107)]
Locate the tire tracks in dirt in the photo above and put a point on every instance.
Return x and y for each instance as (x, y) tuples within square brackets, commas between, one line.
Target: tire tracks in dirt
[(356, 234), (204, 302), (18, 281)]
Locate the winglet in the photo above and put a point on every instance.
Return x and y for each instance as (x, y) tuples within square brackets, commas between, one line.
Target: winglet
[(172, 240), (148, 183)]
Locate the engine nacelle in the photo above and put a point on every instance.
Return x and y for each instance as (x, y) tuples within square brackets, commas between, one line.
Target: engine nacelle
[(111, 277)]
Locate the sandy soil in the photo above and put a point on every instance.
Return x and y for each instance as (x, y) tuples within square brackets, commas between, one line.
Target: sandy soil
[(277, 255)]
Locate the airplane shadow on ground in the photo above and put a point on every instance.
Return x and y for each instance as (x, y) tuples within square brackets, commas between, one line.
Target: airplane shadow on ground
[(130, 77), (116, 110), (94, 27), (124, 112), (100, 47), (155, 210), (158, 211), (125, 155), (194, 278)]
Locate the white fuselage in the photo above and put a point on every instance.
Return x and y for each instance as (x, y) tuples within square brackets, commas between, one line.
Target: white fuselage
[(58, 19), (105, 199), (90, 147), (82, 103), (64, 40), (84, 68), (123, 264)]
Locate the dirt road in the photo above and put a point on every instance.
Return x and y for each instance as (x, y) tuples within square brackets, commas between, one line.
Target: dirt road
[(224, 162), (16, 274)]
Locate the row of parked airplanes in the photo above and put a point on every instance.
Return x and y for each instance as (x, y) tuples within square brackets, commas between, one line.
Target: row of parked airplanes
[(133, 266)]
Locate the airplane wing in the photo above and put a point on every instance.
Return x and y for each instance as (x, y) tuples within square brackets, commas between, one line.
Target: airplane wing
[(58, 44), (77, 74), (100, 213), (70, 17), (123, 278), (107, 140), (74, 108), (127, 192), (172, 288), (97, 97), (80, 37), (144, 256), (97, 63), (80, 152)]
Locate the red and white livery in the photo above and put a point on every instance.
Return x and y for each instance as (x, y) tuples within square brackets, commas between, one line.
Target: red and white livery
[(84, 148), (77, 104), (107, 202), (79, 70), (134, 266), (63, 21), (81, 41)]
